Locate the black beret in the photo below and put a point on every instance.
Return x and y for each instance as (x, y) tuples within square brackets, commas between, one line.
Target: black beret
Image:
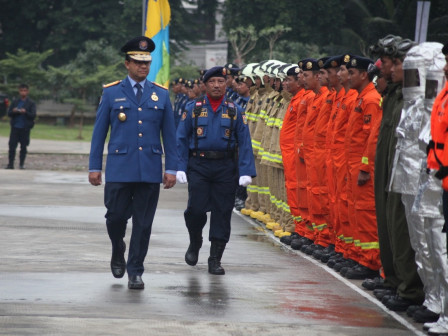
[(293, 71), (321, 61), (333, 62), (217, 71), (139, 48), (359, 62), (309, 64)]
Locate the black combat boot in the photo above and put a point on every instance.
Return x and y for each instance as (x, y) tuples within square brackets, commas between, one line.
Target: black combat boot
[(192, 254), (214, 261)]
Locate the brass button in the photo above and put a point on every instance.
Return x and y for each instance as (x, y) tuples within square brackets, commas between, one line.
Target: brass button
[(155, 107), (121, 107), (140, 122), (139, 108), (140, 148), (140, 135), (116, 151)]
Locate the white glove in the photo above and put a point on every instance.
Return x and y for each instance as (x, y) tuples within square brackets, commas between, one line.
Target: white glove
[(181, 177), (245, 180)]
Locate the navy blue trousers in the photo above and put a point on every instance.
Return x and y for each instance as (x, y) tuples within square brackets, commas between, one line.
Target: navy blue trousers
[(18, 136), (138, 200), (211, 188)]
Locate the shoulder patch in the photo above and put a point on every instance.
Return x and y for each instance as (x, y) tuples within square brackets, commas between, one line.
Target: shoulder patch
[(111, 84), (161, 86)]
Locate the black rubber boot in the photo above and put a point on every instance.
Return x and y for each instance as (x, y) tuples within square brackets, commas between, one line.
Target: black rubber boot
[(214, 261), (192, 254)]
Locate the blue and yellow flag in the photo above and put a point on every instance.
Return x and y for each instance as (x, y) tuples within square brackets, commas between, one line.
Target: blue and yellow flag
[(157, 23)]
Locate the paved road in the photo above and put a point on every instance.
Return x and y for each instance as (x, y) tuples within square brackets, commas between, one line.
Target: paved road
[(55, 277)]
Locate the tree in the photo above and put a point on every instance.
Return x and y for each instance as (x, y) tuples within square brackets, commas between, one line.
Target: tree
[(272, 34), (242, 40), (24, 67), (80, 81)]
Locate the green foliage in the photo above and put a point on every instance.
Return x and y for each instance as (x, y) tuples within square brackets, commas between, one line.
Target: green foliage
[(292, 52), (24, 67), (184, 71)]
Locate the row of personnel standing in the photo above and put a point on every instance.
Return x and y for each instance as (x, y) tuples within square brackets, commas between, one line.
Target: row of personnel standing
[(342, 173)]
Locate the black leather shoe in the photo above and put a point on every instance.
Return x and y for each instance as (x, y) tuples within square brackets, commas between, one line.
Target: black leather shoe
[(117, 262), (412, 309), (317, 254), (312, 248), (288, 239), (335, 260), (9, 167), (192, 254), (398, 303), (360, 272), (372, 284), (386, 298), (325, 257), (296, 244), (136, 282), (381, 292), (346, 263), (424, 315)]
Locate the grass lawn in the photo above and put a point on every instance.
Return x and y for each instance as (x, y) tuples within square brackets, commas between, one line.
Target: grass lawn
[(52, 132)]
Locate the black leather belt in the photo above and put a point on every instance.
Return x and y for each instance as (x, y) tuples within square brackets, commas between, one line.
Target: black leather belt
[(213, 155)]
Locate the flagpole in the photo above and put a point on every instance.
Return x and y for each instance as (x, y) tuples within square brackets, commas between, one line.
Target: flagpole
[(143, 16)]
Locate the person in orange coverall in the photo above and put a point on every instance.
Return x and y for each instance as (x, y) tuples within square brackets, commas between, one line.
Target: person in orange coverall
[(343, 232), (328, 181), (316, 216), (293, 85), (304, 228), (360, 143)]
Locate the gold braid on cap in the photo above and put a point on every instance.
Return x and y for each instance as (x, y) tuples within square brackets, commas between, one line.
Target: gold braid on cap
[(138, 53)]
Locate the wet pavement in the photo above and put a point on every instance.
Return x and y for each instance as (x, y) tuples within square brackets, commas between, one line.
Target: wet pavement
[(55, 277)]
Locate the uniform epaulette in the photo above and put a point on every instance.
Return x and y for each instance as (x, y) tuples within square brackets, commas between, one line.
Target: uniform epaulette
[(163, 87), (111, 84)]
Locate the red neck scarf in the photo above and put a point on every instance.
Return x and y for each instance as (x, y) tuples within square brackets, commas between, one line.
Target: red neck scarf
[(215, 102)]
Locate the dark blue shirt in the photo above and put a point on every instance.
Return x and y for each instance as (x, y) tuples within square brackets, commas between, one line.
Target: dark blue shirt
[(20, 119)]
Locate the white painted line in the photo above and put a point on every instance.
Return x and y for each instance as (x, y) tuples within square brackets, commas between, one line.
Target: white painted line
[(329, 270)]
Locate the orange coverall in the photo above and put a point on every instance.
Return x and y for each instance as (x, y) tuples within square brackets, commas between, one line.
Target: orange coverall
[(303, 228), (360, 141), (314, 206), (329, 177), (344, 235), (287, 134), (320, 185)]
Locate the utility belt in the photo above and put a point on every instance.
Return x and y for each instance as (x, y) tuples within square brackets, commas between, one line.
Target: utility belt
[(213, 155)]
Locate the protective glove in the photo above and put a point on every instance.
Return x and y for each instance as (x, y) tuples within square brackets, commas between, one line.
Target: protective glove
[(245, 180), (181, 177), (442, 172)]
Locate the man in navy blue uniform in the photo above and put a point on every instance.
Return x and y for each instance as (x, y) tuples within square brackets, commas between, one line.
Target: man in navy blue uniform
[(22, 113), (214, 148), (138, 113)]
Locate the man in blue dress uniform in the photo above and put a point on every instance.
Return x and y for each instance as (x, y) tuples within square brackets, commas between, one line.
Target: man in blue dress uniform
[(214, 148), (137, 112)]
